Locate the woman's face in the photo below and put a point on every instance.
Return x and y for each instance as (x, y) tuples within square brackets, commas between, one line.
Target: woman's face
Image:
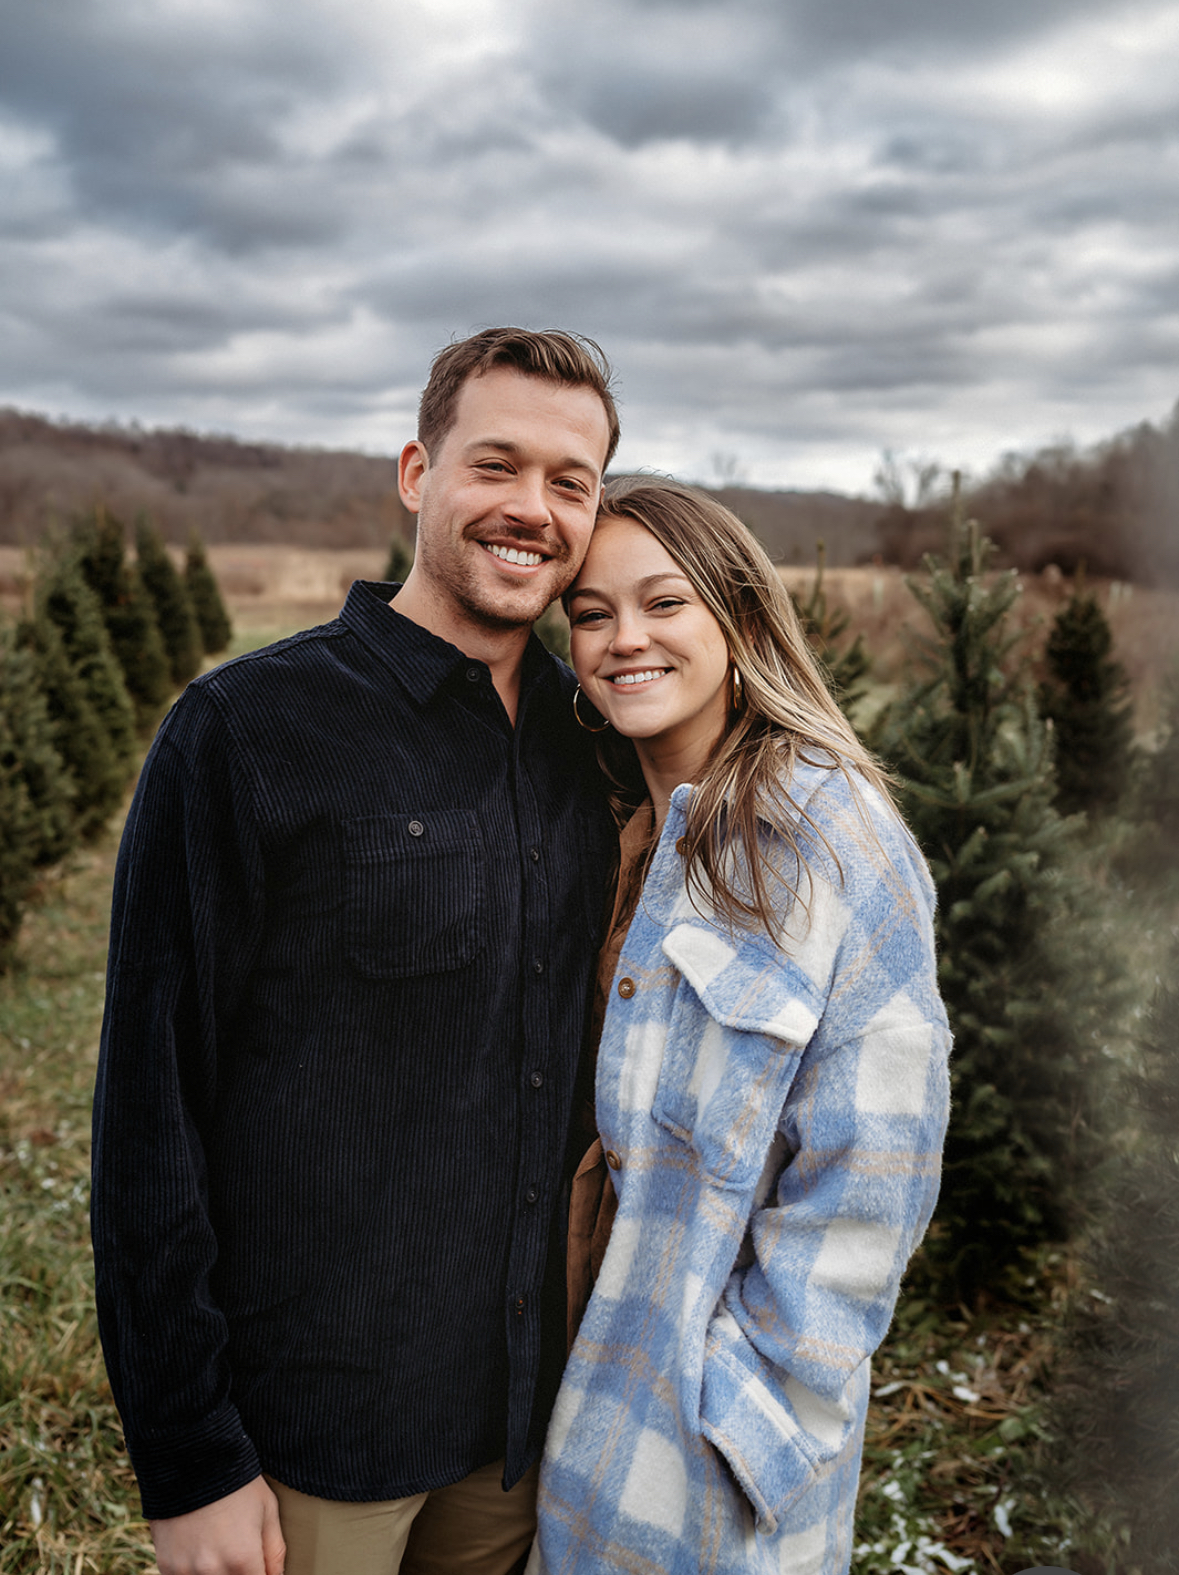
[(648, 652)]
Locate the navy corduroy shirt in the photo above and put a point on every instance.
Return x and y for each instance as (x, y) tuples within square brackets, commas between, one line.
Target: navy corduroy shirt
[(354, 920)]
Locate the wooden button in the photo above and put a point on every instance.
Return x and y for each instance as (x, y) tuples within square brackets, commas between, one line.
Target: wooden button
[(681, 845), (626, 988), (613, 1160)]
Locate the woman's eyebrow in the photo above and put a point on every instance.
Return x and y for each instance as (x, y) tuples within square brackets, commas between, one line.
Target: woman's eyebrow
[(642, 585)]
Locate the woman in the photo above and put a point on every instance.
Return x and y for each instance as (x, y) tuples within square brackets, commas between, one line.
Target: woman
[(771, 1081)]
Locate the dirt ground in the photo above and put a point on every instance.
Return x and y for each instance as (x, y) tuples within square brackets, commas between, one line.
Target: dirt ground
[(283, 588)]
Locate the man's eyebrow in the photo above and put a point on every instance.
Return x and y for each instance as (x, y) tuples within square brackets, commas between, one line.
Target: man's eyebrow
[(513, 450), (642, 585)]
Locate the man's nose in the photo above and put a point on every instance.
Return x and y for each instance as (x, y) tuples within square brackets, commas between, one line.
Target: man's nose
[(528, 502)]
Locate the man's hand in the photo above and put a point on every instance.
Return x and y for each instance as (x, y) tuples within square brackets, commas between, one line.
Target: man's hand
[(236, 1535)]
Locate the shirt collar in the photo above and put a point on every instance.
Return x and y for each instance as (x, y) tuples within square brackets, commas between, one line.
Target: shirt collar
[(422, 661)]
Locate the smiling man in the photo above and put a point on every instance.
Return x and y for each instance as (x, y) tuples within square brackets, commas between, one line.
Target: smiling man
[(355, 912)]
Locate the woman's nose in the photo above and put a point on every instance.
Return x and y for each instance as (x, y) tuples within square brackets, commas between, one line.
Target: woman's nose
[(630, 634)]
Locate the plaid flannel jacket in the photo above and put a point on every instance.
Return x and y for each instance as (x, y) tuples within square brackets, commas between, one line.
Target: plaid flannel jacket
[(776, 1118)]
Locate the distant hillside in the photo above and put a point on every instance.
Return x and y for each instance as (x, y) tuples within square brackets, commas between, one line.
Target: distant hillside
[(228, 490), (1114, 507)]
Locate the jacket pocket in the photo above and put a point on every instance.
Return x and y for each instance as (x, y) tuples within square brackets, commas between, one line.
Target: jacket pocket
[(722, 1090), (416, 893)]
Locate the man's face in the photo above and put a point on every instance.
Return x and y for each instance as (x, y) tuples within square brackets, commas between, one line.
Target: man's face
[(506, 504)]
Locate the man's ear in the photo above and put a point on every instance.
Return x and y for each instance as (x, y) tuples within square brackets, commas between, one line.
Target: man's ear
[(411, 470)]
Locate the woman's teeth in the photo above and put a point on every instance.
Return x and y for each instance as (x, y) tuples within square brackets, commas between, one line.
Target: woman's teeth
[(514, 555), (639, 678)]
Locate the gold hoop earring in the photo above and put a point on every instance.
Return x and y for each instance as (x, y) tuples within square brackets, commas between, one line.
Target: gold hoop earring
[(738, 688), (577, 716)]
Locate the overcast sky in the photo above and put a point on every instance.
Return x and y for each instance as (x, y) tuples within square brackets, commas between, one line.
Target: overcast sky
[(804, 231)]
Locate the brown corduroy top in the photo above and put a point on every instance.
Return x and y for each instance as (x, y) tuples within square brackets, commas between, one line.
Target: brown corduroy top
[(592, 1199)]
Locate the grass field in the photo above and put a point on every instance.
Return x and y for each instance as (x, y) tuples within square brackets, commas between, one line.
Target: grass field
[(955, 1428)]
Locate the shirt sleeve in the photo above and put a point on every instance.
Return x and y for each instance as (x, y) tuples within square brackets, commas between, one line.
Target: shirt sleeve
[(187, 910), (852, 1178)]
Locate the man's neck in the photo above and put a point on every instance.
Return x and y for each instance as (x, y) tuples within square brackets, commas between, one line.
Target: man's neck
[(501, 649)]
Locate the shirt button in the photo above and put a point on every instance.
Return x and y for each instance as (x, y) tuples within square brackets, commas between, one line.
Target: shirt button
[(537, 1079), (626, 988), (415, 828), (532, 1194), (538, 966), (518, 1307), (474, 674), (681, 845), (534, 855), (613, 1160)]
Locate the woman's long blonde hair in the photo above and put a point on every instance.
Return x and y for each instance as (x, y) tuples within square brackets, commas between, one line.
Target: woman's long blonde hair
[(781, 713)]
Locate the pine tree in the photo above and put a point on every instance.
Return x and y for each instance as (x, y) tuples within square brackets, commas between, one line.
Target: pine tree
[(1086, 695), (1156, 795), (844, 666), (127, 611), (98, 773), (1114, 1404), (212, 618), (175, 617), (1022, 986), (400, 560), (66, 600), (16, 843), (51, 826)]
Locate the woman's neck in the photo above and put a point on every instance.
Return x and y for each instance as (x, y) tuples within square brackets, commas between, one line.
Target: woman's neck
[(664, 769)]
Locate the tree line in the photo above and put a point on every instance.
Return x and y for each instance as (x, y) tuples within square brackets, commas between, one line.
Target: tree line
[(85, 674)]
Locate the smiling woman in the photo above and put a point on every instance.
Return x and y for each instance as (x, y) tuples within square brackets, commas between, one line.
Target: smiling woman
[(771, 1088)]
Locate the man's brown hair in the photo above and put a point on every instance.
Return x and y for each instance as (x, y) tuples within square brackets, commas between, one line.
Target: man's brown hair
[(551, 354)]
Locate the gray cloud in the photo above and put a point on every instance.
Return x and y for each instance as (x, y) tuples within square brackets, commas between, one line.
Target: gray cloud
[(803, 233)]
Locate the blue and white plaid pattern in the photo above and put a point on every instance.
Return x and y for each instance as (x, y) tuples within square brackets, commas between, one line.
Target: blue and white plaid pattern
[(779, 1119)]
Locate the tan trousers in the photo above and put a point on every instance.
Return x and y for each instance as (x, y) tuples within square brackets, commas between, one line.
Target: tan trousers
[(470, 1528)]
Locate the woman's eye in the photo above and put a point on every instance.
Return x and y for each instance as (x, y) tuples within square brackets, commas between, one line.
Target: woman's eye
[(588, 619), (668, 604)]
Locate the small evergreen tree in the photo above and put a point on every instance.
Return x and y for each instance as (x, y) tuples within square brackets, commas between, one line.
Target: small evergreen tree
[(66, 600), (400, 559), (50, 826), (211, 616), (1086, 695), (1114, 1404), (552, 629), (127, 611), (16, 842), (975, 770), (174, 612), (99, 775), (845, 666)]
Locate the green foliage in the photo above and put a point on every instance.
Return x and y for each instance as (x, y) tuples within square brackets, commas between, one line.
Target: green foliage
[(1086, 695), (52, 829), (845, 666), (1022, 977), (552, 629), (99, 773), (175, 617), (100, 548), (400, 559), (63, 597), (211, 616), (16, 853), (1115, 1406), (67, 1494)]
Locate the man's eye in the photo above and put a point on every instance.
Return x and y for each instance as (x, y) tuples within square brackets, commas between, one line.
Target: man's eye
[(568, 484)]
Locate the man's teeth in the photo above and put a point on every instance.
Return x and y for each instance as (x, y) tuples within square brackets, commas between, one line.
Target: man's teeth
[(639, 678), (514, 555)]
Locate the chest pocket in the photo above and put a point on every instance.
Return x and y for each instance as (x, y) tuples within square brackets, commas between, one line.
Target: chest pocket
[(416, 893), (724, 1079)]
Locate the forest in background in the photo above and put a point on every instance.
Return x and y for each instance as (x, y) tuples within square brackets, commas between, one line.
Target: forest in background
[(1113, 507)]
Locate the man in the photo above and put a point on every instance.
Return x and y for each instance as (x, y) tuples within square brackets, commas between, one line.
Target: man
[(355, 911)]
